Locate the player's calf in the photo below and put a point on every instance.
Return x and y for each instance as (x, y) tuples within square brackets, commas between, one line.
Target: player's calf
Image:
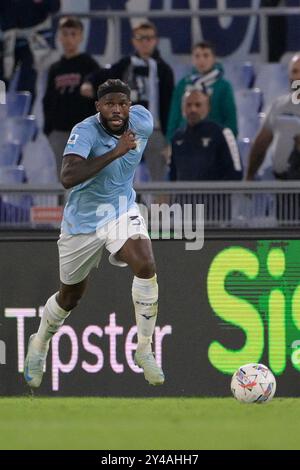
[(145, 299), (52, 319)]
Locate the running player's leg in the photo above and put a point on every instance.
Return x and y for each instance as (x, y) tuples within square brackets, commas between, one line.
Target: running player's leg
[(138, 254), (58, 307), (78, 255)]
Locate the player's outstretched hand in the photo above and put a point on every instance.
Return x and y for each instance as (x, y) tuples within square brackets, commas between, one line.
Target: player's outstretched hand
[(126, 142)]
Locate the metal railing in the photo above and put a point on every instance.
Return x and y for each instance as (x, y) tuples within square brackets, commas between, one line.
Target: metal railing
[(115, 17), (31, 206), (269, 204), (232, 204)]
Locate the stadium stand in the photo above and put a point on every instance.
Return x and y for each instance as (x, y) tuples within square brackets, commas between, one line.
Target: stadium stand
[(272, 80), (9, 154), (255, 86), (249, 104), (18, 104), (12, 174), (18, 130), (240, 74)]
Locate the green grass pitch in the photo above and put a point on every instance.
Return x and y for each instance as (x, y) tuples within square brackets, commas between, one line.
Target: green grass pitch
[(150, 424)]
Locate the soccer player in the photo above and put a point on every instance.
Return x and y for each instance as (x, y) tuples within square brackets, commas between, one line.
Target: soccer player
[(99, 162)]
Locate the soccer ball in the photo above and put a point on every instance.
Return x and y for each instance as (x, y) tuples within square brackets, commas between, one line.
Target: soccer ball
[(253, 383)]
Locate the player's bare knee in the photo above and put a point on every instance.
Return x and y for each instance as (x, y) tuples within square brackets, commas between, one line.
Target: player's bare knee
[(146, 268), (69, 301)]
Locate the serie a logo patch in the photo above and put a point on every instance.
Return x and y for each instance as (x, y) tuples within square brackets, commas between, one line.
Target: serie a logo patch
[(73, 139)]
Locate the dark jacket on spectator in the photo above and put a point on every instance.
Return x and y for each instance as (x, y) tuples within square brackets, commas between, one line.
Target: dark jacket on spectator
[(34, 19), (124, 70), (25, 13), (63, 104), (205, 152)]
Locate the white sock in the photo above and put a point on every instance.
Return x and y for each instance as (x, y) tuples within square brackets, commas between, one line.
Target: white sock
[(145, 299), (52, 319)]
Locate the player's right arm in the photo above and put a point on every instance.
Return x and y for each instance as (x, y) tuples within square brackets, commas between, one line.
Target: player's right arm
[(258, 152), (78, 168), (262, 142)]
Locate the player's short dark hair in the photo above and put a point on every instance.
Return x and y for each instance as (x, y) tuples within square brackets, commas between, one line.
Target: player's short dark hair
[(113, 86), (145, 25), (70, 22), (205, 45)]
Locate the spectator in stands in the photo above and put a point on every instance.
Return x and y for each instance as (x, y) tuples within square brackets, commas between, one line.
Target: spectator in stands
[(63, 104), (203, 151), (279, 131), (151, 80), (208, 73), (27, 33)]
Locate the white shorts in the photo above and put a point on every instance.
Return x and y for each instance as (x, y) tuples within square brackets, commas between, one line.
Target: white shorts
[(79, 254)]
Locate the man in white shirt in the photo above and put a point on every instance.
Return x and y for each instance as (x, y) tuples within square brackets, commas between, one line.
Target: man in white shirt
[(279, 130)]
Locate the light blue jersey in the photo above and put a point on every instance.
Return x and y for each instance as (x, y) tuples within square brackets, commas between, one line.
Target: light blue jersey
[(96, 201)]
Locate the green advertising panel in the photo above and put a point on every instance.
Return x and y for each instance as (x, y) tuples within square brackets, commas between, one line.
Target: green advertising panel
[(234, 302), (257, 291)]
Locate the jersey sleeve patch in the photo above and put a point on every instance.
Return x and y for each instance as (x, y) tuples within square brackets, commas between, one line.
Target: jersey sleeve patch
[(80, 141), (73, 139)]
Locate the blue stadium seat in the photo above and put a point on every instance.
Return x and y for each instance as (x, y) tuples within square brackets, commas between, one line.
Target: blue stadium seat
[(12, 174), (9, 154), (39, 161), (249, 103), (248, 126), (18, 104), (13, 83), (240, 74), (3, 111), (17, 130), (273, 81)]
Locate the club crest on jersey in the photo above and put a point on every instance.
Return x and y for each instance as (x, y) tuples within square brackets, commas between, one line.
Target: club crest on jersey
[(206, 141), (73, 139)]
